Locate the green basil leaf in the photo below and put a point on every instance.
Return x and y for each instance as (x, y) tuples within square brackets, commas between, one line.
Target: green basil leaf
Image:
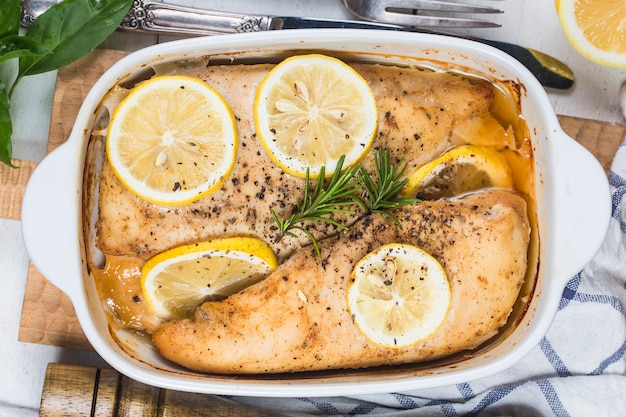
[(9, 17), (72, 29), (16, 46), (6, 128)]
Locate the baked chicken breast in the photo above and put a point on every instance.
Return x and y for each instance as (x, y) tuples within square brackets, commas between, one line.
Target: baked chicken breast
[(297, 318)]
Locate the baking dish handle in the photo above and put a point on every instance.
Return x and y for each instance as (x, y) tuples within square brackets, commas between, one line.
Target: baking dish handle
[(582, 202), (50, 219)]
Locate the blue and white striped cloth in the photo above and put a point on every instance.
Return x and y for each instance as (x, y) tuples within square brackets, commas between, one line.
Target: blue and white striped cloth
[(578, 369)]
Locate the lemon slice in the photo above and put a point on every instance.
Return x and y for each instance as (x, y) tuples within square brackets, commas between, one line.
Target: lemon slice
[(177, 281), (310, 110), (398, 295), (172, 140), (596, 29), (462, 169)]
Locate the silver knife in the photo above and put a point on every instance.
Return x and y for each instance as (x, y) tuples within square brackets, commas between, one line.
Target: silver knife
[(147, 16)]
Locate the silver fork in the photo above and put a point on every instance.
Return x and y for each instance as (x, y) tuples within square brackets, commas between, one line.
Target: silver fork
[(420, 13)]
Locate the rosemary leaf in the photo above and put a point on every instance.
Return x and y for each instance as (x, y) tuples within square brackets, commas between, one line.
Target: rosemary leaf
[(346, 188), (323, 202), (311, 238), (383, 195)]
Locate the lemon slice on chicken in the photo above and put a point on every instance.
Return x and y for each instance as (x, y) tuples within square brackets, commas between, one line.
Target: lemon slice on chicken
[(398, 295), (461, 169), (310, 110), (172, 140), (177, 281)]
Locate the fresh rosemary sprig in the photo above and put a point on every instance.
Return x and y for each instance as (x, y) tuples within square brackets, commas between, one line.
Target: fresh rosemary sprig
[(352, 186), (383, 194), (322, 203)]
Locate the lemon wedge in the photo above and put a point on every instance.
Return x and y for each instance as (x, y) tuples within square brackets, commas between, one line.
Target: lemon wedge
[(398, 295), (461, 169), (174, 283), (595, 28), (172, 140), (310, 110)]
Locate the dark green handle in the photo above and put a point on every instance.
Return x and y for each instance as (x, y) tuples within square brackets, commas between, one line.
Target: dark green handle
[(548, 70)]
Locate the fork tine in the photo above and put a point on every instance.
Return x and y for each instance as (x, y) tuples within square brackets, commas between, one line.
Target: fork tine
[(408, 13), (404, 19), (440, 5)]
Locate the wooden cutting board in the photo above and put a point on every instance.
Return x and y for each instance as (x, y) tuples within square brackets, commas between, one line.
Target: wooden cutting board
[(84, 391), (47, 315)]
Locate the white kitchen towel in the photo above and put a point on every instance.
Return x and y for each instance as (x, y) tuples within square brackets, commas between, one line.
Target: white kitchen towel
[(577, 370)]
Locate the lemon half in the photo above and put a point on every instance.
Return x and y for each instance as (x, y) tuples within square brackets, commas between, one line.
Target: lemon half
[(176, 282), (596, 29), (172, 140), (461, 169), (398, 295), (310, 110)]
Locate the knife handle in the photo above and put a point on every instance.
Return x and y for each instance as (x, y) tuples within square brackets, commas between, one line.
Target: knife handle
[(162, 18), (156, 17)]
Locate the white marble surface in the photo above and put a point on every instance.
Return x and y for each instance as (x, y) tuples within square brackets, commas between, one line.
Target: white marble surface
[(532, 23)]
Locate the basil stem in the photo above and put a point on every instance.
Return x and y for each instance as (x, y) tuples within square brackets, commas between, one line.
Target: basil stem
[(6, 128)]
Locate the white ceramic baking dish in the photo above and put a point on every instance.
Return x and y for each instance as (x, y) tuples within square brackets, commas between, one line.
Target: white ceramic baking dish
[(572, 197)]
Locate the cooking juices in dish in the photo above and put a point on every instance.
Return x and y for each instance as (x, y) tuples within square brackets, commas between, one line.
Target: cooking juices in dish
[(297, 319)]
